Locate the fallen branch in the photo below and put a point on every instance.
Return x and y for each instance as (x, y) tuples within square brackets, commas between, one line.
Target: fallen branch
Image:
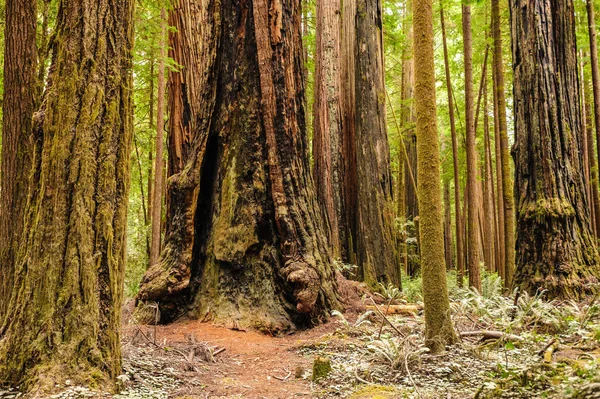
[(386, 319), (486, 335)]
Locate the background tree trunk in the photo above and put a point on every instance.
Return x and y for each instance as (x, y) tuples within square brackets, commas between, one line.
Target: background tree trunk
[(245, 242), (556, 249), (457, 213), (157, 197), (347, 222), (374, 233), (438, 325), (508, 214), (327, 140), (472, 170), (64, 314), (20, 60)]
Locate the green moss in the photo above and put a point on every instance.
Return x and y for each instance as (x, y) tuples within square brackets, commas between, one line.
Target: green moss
[(321, 368), (545, 208), (376, 392)]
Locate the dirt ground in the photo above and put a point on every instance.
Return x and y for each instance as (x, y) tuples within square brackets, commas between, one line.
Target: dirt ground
[(252, 365)]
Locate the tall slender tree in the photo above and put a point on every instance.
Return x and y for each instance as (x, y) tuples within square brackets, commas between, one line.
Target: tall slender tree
[(508, 214), (556, 249), (473, 243), (157, 197), (438, 326), (20, 60), (457, 211), (63, 318)]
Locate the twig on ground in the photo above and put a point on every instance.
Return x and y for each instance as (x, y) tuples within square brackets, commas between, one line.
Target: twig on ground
[(219, 351), (386, 319), (283, 379), (486, 335)]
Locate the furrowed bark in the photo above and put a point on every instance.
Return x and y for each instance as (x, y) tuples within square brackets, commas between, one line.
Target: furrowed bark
[(556, 249), (20, 60), (245, 243), (327, 140), (374, 235), (64, 314)]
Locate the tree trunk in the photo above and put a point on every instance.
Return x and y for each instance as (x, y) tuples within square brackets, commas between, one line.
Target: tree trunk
[(347, 222), (158, 161), (245, 241), (488, 199), (593, 170), (472, 219), (556, 249), (584, 142), (327, 140), (596, 92), (499, 184), (448, 242), (438, 325), (64, 314), (374, 235), (20, 57), (410, 149), (457, 214), (507, 184)]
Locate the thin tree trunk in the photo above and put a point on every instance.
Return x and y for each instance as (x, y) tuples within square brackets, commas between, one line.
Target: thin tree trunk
[(448, 242), (348, 102), (158, 161), (457, 214), (374, 235), (507, 184), (596, 92), (499, 185), (472, 220), (488, 199), (438, 326), (556, 249), (20, 57), (327, 140), (64, 315), (245, 242), (593, 182)]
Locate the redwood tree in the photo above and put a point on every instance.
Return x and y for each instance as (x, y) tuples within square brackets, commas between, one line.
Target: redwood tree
[(63, 318), (20, 60), (328, 138), (245, 242), (374, 236), (556, 249)]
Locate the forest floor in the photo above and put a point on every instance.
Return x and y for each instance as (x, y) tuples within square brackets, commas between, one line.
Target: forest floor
[(523, 348)]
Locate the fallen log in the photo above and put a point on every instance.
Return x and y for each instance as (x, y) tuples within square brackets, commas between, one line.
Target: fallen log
[(408, 310)]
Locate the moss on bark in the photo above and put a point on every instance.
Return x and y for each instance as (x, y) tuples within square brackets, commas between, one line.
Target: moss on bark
[(64, 314)]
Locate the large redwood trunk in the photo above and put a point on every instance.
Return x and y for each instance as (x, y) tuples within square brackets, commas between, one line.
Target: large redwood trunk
[(63, 318), (245, 241), (556, 249)]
